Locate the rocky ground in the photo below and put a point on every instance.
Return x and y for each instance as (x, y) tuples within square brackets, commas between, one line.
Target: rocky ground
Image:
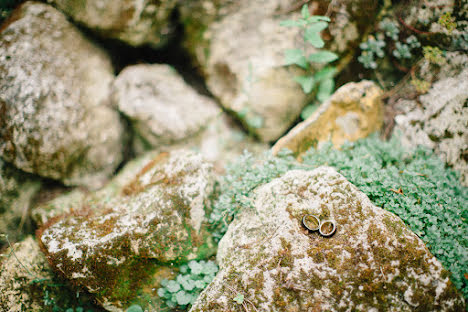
[(162, 155)]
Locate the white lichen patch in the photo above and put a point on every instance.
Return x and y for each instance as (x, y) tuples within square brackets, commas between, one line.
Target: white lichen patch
[(372, 263)]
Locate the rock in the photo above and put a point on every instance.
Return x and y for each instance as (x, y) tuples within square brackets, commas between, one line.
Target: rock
[(439, 120), (133, 22), (158, 220), (163, 109), (240, 48), (54, 85), (17, 191), (372, 263), (28, 284), (354, 111)]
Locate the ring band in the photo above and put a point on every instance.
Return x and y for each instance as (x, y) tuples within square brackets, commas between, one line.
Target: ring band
[(304, 222), (332, 230)]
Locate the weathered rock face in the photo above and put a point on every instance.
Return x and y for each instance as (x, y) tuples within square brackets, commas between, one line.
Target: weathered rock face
[(27, 283), (53, 86), (134, 22), (439, 119), (247, 74), (17, 190), (157, 220), (354, 111), (372, 263), (162, 107)]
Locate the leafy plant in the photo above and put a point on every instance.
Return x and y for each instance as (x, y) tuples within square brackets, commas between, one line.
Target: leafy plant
[(322, 81), (415, 185), (184, 290)]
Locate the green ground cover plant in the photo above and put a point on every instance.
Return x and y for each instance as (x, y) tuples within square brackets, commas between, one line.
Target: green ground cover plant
[(321, 82), (415, 185)]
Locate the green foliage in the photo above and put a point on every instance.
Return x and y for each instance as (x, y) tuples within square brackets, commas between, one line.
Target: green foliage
[(323, 84), (434, 55), (134, 308), (447, 21), (239, 299), (431, 202), (390, 28), (402, 51), (184, 290)]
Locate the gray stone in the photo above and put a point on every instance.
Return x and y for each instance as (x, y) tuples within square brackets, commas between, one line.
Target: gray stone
[(157, 219), (17, 191), (135, 22), (163, 109), (372, 263), (54, 84), (27, 283), (240, 47), (439, 120)]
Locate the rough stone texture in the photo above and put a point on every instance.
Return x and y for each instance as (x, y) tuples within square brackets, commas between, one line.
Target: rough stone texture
[(372, 263), (17, 190), (26, 280), (135, 22), (157, 220), (241, 52), (53, 86), (354, 111), (161, 106), (439, 119)]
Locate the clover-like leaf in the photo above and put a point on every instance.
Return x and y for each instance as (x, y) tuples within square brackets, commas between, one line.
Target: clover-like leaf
[(323, 57), (173, 286), (239, 298), (306, 82), (295, 57), (183, 298), (312, 34)]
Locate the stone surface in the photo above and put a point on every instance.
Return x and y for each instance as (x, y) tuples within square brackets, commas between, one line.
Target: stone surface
[(17, 191), (354, 111), (372, 263), (163, 109), (136, 22), (240, 48), (27, 283), (54, 84), (439, 119), (158, 219)]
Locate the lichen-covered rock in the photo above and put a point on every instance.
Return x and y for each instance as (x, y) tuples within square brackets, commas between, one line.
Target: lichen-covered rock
[(439, 120), (372, 263), (17, 191), (27, 283), (163, 109), (114, 245), (54, 83), (240, 48), (354, 111), (135, 22)]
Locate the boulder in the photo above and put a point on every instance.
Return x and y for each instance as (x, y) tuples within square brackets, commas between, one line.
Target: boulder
[(17, 192), (354, 111), (270, 262), (439, 119), (120, 247), (54, 84), (240, 48), (133, 22), (163, 109), (27, 283)]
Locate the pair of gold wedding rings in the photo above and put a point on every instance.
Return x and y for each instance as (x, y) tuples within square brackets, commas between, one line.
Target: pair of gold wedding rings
[(326, 228)]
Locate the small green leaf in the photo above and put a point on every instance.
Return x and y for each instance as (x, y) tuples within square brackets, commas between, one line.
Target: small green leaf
[(239, 298), (309, 110), (325, 89), (325, 73), (313, 37), (323, 57), (318, 18), (305, 11), (292, 23), (296, 57), (306, 82), (317, 27)]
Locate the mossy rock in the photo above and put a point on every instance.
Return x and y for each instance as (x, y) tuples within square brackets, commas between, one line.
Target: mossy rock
[(114, 246), (372, 262)]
